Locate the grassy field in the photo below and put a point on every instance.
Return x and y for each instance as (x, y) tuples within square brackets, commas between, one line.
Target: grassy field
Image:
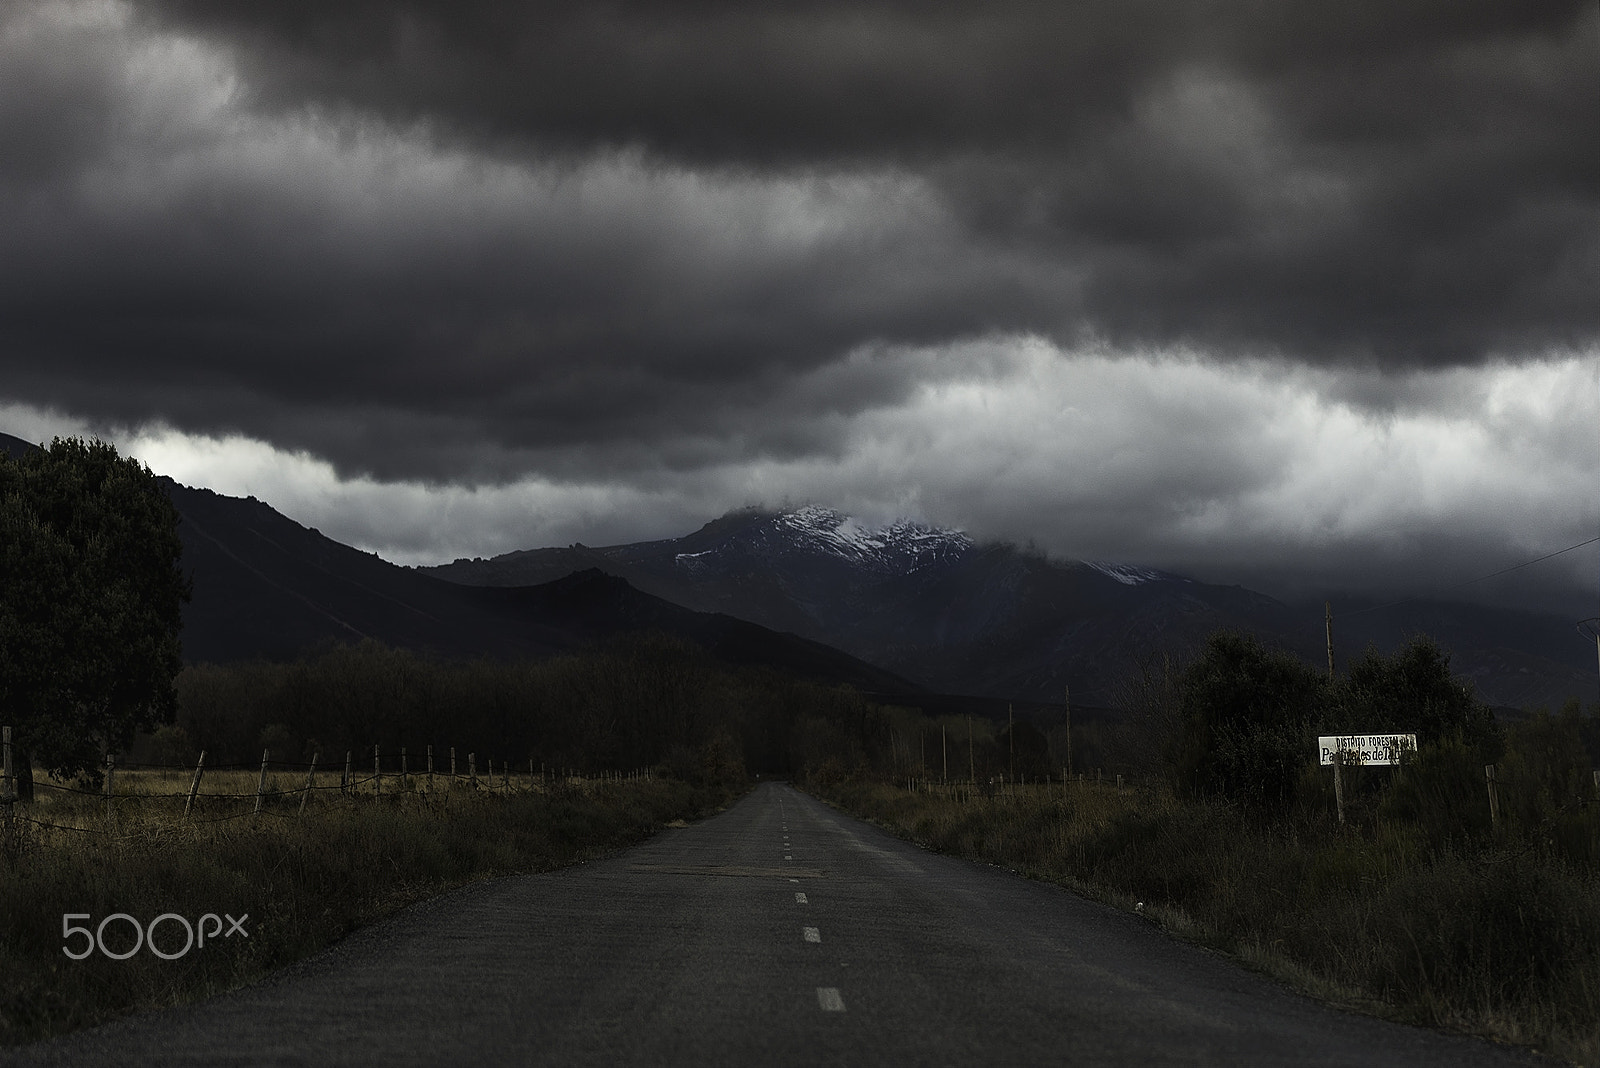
[(304, 880), (1500, 939)]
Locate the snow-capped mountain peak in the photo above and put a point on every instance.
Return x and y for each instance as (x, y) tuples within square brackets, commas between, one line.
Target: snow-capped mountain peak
[(892, 546), (814, 531)]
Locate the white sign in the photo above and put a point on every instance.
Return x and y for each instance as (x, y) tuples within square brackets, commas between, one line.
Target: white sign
[(1366, 749)]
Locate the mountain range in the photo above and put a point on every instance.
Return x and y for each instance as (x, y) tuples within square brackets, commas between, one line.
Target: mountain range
[(1001, 621), (901, 610)]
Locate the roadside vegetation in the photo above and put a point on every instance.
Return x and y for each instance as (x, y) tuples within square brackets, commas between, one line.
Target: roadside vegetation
[(1421, 906), (304, 881)]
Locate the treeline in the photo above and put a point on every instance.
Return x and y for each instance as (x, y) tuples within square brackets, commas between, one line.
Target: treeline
[(642, 700)]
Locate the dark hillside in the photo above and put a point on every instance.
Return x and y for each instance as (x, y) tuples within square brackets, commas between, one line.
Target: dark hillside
[(267, 587)]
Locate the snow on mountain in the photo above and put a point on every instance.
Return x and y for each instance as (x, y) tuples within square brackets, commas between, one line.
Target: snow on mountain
[(1130, 574), (898, 547)]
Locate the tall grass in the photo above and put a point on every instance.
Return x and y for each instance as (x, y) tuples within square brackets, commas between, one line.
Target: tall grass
[(1499, 937), (304, 882)]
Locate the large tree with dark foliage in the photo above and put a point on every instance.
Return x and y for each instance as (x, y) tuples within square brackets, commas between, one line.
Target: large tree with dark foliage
[(91, 600), (1247, 718)]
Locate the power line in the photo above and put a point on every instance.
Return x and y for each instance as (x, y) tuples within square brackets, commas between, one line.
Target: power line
[(1480, 578)]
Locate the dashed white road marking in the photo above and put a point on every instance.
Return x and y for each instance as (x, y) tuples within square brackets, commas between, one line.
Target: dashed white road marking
[(811, 934), (828, 998), (800, 899), (794, 880)]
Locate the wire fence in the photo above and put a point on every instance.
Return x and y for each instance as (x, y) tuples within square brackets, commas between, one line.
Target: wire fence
[(126, 784)]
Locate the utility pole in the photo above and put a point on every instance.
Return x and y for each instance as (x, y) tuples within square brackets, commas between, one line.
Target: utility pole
[(1327, 608)]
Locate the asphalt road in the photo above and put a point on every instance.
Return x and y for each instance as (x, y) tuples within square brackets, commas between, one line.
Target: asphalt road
[(779, 932)]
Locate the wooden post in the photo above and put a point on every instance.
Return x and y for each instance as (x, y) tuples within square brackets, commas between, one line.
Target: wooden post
[(1119, 782), (452, 765), (311, 781), (972, 764), (472, 769), (377, 771), (8, 789), (944, 755), (1011, 741), (261, 783), (1494, 794), (1068, 694), (344, 783), (530, 773), (194, 787), (402, 769), (111, 771), (1338, 783), (505, 775), (430, 769), (1327, 608)]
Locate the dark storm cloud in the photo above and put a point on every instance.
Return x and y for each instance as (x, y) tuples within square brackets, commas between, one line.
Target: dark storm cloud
[(1430, 198), (463, 241)]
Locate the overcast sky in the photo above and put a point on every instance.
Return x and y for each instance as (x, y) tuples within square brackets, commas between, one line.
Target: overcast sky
[(1301, 296)]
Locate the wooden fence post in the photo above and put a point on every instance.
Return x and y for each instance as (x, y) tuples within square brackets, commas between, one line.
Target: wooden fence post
[(194, 787), (377, 771), (491, 772), (8, 789), (530, 773), (311, 778), (111, 772), (402, 769), (344, 783), (472, 768), (261, 783), (1494, 794), (452, 765), (430, 769), (505, 775), (1338, 783)]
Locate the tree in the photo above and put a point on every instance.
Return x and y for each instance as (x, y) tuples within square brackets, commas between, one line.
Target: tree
[(1413, 690), (1246, 716), (91, 601)]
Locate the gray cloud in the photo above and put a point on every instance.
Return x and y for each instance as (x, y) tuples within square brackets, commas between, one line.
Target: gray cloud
[(1402, 184), (685, 256)]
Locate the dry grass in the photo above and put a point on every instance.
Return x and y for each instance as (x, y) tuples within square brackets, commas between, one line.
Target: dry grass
[(303, 881)]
